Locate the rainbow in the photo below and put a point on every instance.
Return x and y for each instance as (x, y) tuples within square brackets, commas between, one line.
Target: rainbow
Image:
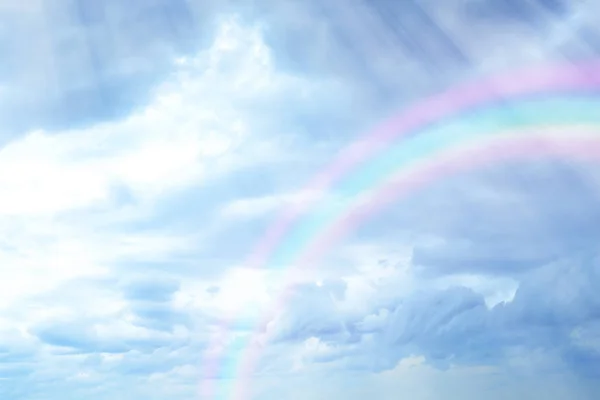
[(549, 111)]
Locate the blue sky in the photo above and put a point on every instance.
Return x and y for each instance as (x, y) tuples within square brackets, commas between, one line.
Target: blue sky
[(146, 146)]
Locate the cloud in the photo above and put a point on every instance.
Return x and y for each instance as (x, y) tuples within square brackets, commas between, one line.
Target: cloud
[(151, 290), (137, 173), (311, 312), (498, 274), (453, 327), (78, 63), (90, 274)]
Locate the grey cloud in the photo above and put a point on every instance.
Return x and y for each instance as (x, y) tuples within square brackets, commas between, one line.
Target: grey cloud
[(312, 312), (455, 327)]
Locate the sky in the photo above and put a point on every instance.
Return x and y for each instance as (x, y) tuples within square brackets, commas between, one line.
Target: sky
[(146, 147)]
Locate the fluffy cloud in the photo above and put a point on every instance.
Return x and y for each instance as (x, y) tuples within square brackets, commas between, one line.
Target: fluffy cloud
[(535, 331), (91, 280)]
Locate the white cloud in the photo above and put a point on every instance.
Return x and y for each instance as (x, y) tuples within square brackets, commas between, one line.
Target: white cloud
[(58, 209), (263, 205), (75, 200), (238, 294), (189, 131)]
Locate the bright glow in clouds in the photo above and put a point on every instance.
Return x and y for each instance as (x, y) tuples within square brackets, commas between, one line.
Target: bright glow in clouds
[(145, 150), (242, 288)]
